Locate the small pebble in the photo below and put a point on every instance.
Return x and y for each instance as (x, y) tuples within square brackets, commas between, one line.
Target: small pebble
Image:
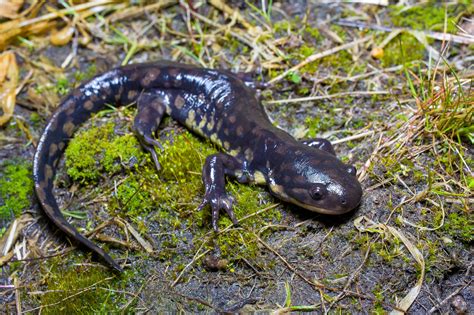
[(213, 263), (459, 305)]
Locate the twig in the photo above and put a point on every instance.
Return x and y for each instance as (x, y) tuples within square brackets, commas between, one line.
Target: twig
[(321, 97), (446, 299), (137, 11), (352, 276), (317, 56), (461, 39), (53, 15), (195, 258), (354, 137), (222, 6), (136, 295), (17, 295)]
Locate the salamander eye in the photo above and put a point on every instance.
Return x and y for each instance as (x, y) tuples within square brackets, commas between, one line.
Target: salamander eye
[(318, 191), (351, 170)]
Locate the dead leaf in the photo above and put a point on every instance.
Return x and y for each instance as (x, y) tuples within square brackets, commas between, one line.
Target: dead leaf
[(63, 36), (9, 8), (11, 235), (8, 85)]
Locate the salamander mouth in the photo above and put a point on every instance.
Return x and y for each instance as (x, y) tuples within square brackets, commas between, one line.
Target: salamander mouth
[(318, 209), (278, 191)]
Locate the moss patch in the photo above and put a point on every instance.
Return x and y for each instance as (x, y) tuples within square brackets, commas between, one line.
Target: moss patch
[(428, 17), (403, 49), (96, 150), (78, 289), (180, 191), (169, 197), (460, 226), (16, 188)]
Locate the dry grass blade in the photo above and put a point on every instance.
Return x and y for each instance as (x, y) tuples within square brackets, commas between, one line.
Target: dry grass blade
[(322, 97), (372, 227), (221, 5), (137, 11), (146, 245), (461, 39), (11, 235), (9, 8), (320, 55), (21, 26), (8, 85)]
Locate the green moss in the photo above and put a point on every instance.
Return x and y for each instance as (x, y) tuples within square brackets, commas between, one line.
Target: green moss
[(282, 26), (131, 199), (98, 149), (460, 226), (173, 193), (379, 299), (180, 190), (318, 124), (121, 150), (78, 289), (16, 187), (81, 76), (427, 17), (35, 119), (403, 49), (85, 151), (309, 33), (313, 32), (62, 86)]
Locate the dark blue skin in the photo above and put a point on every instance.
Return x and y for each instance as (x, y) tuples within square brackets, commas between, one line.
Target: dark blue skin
[(219, 106)]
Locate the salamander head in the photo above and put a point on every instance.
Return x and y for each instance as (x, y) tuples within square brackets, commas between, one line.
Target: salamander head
[(317, 181)]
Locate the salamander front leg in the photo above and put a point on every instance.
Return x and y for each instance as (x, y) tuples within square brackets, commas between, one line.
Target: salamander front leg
[(321, 144), (213, 175), (151, 108), (248, 78)]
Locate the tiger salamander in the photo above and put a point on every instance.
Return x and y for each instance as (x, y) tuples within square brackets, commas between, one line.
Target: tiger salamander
[(216, 105)]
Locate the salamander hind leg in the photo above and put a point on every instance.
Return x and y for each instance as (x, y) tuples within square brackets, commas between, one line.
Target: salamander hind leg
[(213, 175), (151, 109), (321, 144)]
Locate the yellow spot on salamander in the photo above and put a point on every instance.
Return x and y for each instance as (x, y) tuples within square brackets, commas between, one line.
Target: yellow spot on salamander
[(279, 191), (210, 125), (68, 128), (132, 94), (179, 102), (234, 152), (211, 122), (259, 178), (48, 173), (215, 139), (248, 155), (88, 105), (53, 148), (202, 123), (191, 120)]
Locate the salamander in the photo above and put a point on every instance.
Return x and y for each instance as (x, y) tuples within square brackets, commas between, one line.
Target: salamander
[(217, 105)]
